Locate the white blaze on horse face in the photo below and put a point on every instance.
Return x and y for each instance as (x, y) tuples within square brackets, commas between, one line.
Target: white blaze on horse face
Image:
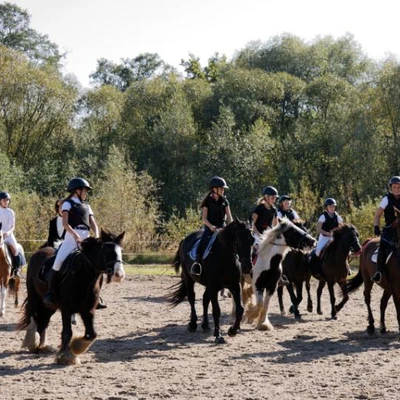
[(119, 271)]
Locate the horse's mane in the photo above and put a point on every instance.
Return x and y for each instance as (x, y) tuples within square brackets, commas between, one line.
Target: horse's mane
[(226, 234), (269, 235), (337, 234)]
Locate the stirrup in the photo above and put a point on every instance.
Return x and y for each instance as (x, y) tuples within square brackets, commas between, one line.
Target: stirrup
[(377, 277), (196, 269)]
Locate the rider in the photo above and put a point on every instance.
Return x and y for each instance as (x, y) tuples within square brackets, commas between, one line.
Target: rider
[(386, 207), (328, 220), (215, 212), (284, 210), (56, 228), (78, 219), (7, 220), (265, 214)]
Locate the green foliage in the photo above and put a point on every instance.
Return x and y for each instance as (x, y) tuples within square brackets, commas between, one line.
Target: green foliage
[(362, 218)]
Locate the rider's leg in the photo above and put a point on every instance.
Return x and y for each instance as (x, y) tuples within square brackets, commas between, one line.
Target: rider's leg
[(383, 252), (16, 261), (195, 269)]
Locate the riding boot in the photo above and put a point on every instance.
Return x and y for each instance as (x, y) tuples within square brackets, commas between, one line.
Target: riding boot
[(16, 267), (50, 299), (314, 264)]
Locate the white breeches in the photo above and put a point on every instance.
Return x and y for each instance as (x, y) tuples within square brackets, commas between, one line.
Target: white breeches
[(67, 247), (322, 242), (10, 240)]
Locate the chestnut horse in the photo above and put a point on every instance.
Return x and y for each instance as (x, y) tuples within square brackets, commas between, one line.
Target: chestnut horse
[(335, 266), (7, 282), (390, 282), (77, 292)]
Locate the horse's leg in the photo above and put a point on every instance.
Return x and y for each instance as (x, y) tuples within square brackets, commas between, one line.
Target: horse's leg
[(65, 355), (321, 286), (280, 300), (3, 295), (332, 299), (345, 298), (384, 302), (309, 299), (396, 299), (191, 299), (294, 309), (253, 310), (216, 312), (263, 321), (81, 344), (367, 300), (239, 310), (205, 325), (43, 316), (17, 283)]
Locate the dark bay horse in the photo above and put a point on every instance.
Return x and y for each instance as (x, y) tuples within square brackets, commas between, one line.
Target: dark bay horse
[(274, 246), (335, 266), (78, 292), (295, 267), (222, 268), (390, 282), (7, 282)]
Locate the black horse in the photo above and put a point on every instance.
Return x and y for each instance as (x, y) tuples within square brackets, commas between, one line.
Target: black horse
[(222, 268), (78, 292)]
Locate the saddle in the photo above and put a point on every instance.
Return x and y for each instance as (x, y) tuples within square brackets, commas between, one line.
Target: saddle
[(67, 267), (17, 261), (374, 256), (193, 251)]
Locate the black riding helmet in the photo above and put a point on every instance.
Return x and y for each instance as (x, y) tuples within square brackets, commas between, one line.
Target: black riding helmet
[(329, 202), (270, 191), (283, 198), (5, 195), (394, 179), (78, 183), (217, 181)]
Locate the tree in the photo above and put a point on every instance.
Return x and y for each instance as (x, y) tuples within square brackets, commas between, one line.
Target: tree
[(16, 34)]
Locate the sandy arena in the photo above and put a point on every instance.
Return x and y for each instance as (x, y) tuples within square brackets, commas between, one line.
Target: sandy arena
[(144, 351)]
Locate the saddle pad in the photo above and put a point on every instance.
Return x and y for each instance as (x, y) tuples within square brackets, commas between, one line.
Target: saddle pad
[(374, 257), (193, 252)]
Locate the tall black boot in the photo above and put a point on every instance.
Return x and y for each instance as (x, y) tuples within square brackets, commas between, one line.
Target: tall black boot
[(50, 299), (17, 267)]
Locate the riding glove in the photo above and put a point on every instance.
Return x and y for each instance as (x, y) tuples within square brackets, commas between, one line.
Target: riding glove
[(377, 231)]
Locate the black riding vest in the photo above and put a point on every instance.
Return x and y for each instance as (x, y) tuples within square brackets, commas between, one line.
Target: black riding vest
[(265, 217), (330, 222), (216, 210), (389, 214), (78, 214), (288, 214)]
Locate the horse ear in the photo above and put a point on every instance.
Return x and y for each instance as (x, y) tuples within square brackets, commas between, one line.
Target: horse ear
[(104, 234), (120, 237)]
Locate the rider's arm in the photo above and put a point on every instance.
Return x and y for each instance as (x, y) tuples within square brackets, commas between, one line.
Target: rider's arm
[(228, 213), (378, 215), (94, 226), (255, 218), (68, 227)]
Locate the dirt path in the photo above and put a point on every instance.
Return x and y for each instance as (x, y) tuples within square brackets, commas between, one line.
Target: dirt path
[(144, 351)]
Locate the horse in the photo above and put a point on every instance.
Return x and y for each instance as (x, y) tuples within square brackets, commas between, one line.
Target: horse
[(77, 292), (335, 266), (222, 268), (390, 282), (296, 269), (7, 282), (274, 245)]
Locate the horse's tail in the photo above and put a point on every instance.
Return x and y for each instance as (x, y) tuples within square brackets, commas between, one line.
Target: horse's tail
[(176, 262), (178, 295), (26, 317), (352, 284)]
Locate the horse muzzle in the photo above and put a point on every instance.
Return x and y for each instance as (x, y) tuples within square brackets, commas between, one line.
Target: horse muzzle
[(119, 272)]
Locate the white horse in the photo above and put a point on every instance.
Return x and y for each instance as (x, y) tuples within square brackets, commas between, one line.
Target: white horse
[(274, 245)]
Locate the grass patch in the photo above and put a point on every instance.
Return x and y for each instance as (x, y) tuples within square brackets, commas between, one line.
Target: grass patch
[(149, 269)]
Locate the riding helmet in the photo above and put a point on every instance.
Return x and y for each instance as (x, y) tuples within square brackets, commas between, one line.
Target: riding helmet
[(283, 198), (270, 191), (78, 183), (394, 179), (5, 195), (330, 202), (217, 181)]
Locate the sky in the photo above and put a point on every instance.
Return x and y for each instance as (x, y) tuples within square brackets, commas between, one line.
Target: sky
[(88, 30)]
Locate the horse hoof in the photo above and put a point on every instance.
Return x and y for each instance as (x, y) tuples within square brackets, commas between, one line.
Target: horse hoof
[(219, 340), (370, 330), (383, 331), (192, 327), (320, 312), (67, 358), (265, 327), (232, 331), (206, 328), (291, 310), (334, 317), (297, 316), (310, 309)]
